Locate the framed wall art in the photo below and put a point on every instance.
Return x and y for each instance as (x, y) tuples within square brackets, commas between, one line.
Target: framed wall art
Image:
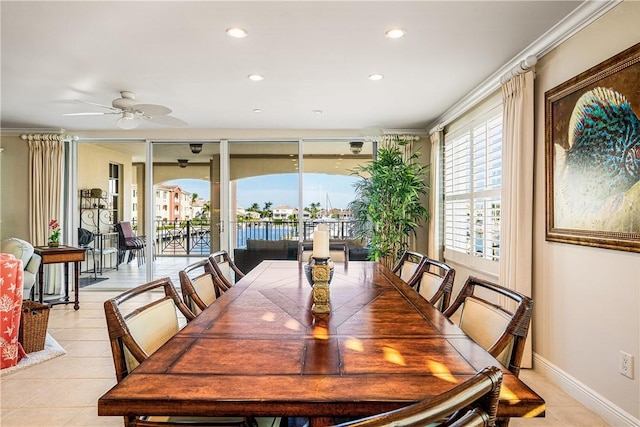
[(592, 153)]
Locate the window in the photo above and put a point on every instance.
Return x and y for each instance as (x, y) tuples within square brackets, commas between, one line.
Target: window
[(472, 184)]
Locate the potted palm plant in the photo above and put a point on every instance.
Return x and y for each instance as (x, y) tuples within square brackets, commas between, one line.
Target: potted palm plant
[(387, 207)]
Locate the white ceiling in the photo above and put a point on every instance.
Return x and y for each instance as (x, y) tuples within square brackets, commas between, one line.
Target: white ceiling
[(314, 55)]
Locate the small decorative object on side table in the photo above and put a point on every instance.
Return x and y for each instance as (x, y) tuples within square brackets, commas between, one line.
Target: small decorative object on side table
[(54, 238)]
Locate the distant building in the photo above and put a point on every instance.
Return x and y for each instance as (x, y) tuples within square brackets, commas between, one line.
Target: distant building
[(172, 203), (283, 212)]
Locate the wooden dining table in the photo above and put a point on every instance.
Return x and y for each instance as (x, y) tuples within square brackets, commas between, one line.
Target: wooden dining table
[(260, 351)]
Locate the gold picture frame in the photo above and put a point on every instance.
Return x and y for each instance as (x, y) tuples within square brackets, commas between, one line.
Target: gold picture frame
[(592, 153)]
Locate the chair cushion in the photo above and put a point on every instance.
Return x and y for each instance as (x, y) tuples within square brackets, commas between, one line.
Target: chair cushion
[(205, 288), (484, 323), (429, 285), (152, 327), (337, 255), (225, 268), (407, 270)]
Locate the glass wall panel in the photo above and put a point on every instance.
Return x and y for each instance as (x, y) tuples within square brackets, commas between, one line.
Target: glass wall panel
[(110, 181), (328, 188), (186, 207), (264, 201)]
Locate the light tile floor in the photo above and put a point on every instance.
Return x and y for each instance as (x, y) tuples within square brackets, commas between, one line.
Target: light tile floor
[(64, 391)]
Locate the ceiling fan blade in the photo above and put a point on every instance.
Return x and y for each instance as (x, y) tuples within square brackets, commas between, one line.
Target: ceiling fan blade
[(99, 105), (166, 120), (90, 114), (152, 109)]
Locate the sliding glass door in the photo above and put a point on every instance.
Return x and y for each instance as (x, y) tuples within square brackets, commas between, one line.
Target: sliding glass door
[(264, 201)]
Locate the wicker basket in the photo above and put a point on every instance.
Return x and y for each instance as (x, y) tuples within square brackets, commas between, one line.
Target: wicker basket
[(33, 325)]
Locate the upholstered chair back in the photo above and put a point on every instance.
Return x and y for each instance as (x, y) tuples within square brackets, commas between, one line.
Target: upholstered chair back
[(487, 320), (225, 269), (471, 403), (23, 251)]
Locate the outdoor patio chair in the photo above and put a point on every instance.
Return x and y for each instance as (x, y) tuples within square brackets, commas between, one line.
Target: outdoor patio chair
[(85, 240), (128, 241), (338, 251)]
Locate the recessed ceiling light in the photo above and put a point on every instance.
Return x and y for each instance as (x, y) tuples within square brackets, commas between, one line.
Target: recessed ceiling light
[(256, 77), (376, 77), (395, 33), (257, 110), (316, 111), (236, 33)]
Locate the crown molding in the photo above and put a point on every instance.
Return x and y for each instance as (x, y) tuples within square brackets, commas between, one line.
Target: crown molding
[(582, 16)]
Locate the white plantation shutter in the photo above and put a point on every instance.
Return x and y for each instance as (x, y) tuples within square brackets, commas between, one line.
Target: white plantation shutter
[(472, 184)]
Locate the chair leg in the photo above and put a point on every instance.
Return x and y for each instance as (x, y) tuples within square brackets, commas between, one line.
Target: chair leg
[(95, 271)]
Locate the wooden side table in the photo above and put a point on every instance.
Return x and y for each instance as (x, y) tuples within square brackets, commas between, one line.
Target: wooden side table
[(63, 255)]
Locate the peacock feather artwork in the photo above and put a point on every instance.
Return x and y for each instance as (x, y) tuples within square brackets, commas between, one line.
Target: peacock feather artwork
[(598, 175)]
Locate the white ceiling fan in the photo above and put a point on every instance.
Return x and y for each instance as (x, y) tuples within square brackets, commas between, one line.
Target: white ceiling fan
[(131, 112)]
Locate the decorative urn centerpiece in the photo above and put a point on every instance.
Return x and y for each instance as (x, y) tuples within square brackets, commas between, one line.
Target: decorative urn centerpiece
[(321, 270)]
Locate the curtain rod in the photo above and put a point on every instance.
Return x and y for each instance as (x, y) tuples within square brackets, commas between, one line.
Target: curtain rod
[(48, 137), (520, 68)]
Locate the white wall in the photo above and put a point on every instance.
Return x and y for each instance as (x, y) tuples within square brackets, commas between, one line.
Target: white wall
[(587, 300)]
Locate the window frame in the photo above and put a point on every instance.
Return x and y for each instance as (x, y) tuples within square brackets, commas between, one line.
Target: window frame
[(469, 258)]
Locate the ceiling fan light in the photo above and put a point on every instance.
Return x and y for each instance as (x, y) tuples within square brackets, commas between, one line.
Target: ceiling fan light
[(236, 32), (128, 121), (395, 33)]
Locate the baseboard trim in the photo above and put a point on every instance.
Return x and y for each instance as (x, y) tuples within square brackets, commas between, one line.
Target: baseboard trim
[(606, 409)]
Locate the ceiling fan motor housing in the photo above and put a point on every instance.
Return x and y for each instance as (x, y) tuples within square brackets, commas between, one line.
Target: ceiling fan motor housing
[(127, 101)]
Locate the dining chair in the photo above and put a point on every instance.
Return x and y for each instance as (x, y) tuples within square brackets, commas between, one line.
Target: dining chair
[(499, 330), (471, 403), (139, 322), (200, 285), (225, 268), (408, 265), (338, 251), (434, 281)]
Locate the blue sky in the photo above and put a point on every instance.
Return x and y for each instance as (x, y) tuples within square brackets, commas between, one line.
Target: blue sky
[(283, 189)]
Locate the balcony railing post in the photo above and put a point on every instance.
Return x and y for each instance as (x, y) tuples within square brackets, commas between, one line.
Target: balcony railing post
[(188, 236)]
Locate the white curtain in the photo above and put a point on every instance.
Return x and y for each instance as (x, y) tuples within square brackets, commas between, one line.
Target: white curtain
[(45, 193), (434, 250), (516, 250)]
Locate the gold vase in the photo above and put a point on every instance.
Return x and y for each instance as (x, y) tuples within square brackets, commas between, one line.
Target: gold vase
[(53, 244)]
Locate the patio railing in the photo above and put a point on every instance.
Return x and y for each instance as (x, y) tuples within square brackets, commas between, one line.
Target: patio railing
[(186, 237)]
